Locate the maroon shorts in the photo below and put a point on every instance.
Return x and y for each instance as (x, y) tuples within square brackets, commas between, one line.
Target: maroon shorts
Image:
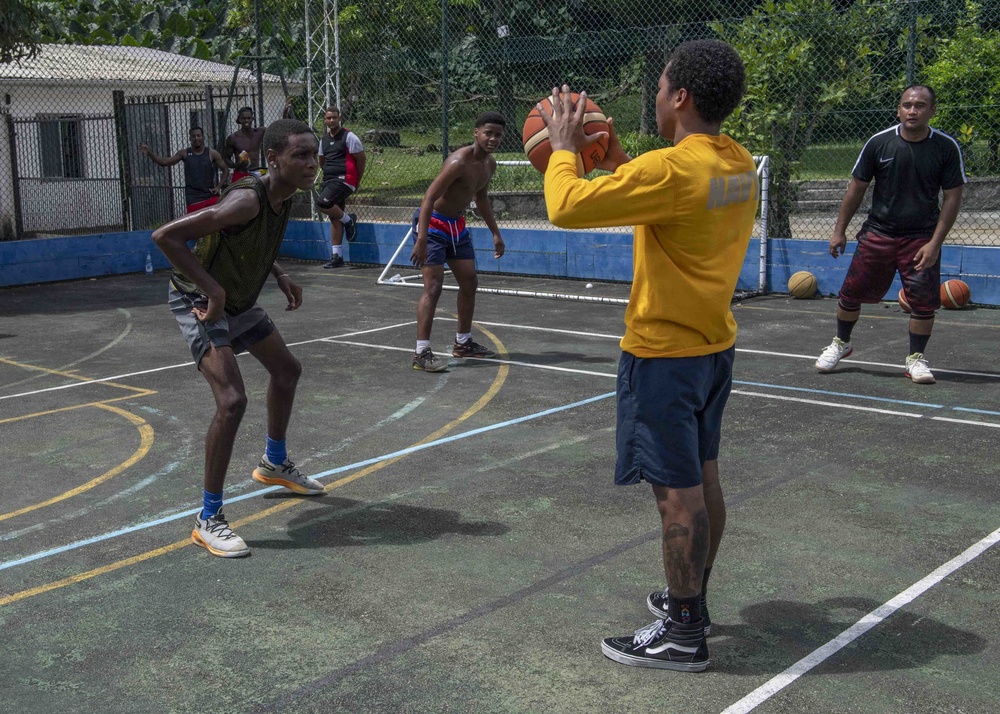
[(875, 263), (192, 207)]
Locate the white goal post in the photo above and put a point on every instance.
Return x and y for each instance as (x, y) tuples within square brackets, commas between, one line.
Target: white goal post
[(415, 280)]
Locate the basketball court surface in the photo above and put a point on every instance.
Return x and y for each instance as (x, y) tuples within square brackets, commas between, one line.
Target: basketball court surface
[(472, 550)]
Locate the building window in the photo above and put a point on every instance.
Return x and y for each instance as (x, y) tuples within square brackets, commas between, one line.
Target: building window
[(61, 146)]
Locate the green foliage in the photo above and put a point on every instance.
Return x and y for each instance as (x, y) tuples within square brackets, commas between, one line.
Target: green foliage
[(966, 76), (19, 20), (804, 59)]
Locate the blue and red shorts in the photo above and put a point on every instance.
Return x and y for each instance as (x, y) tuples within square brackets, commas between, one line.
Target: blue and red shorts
[(447, 239), (875, 263)]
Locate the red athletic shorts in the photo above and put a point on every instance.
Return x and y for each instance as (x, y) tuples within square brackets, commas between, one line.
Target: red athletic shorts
[(875, 263), (192, 207)]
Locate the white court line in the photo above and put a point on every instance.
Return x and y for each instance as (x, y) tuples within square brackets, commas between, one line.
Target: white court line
[(800, 400), (828, 404), (738, 349), (478, 359), (873, 618), (187, 364)]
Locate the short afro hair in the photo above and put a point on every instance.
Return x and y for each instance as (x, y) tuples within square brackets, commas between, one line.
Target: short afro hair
[(277, 133), (712, 72), (490, 118), (929, 89)]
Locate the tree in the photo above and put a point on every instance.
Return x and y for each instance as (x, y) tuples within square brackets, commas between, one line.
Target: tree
[(804, 59), (19, 20), (966, 77)]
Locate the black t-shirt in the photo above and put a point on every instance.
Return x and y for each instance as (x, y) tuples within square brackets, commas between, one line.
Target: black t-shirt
[(908, 178), (199, 176)]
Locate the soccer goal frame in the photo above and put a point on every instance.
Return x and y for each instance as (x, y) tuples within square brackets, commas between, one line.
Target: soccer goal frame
[(415, 280)]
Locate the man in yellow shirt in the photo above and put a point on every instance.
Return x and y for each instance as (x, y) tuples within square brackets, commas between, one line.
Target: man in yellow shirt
[(693, 207)]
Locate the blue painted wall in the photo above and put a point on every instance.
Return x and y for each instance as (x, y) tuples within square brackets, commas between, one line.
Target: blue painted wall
[(572, 254)]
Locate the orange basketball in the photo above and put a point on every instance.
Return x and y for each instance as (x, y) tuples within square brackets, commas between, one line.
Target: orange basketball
[(535, 136), (954, 295), (904, 304)]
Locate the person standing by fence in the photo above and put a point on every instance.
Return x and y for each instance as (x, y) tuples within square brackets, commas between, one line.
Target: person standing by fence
[(911, 164), (201, 187), (342, 158)]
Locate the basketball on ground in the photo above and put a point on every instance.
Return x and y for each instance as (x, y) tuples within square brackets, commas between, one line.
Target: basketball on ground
[(904, 304), (535, 136), (954, 295), (802, 285)]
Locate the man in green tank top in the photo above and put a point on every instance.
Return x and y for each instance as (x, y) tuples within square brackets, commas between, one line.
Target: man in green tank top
[(213, 295)]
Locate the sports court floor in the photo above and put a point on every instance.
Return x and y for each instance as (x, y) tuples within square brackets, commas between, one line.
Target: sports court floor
[(472, 550)]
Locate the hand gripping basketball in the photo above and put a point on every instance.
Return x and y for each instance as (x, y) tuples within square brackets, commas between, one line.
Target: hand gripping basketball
[(566, 121)]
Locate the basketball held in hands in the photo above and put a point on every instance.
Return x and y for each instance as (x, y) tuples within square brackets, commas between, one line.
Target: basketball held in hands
[(535, 136)]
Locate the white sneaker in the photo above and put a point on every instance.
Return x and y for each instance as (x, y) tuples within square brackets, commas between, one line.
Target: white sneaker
[(286, 475), (837, 350), (215, 535), (918, 370)]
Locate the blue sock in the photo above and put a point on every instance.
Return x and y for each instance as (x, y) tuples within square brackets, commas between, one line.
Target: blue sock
[(211, 504), (275, 451)]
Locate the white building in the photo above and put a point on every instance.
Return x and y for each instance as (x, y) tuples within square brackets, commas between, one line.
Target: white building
[(72, 119)]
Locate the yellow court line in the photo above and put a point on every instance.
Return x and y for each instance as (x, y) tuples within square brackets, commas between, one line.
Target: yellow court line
[(146, 442), (498, 382), (144, 393), (70, 375)]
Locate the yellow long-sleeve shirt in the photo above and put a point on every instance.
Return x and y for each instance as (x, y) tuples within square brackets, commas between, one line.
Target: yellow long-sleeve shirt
[(693, 207)]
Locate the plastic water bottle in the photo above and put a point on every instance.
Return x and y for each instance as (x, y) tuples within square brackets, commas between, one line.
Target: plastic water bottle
[(149, 264), (397, 278)]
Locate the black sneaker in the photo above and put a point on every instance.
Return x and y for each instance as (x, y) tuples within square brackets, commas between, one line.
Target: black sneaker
[(664, 644), (471, 348), (351, 229), (429, 362), (336, 261), (657, 604)]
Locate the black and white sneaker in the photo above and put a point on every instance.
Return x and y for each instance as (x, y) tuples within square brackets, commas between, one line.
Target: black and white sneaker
[(664, 644), (351, 229), (336, 261), (657, 604)]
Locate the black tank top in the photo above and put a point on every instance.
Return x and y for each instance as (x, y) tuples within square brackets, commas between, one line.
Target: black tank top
[(199, 176), (240, 259)]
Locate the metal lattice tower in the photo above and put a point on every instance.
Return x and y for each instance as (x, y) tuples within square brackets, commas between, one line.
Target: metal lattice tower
[(322, 36)]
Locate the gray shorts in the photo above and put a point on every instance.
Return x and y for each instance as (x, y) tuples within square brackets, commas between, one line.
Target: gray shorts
[(236, 331)]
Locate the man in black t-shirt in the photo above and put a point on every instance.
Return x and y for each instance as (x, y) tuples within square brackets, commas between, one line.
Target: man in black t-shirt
[(200, 186), (342, 158), (911, 163)]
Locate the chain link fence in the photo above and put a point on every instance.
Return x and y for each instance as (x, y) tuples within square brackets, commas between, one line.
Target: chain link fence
[(410, 77)]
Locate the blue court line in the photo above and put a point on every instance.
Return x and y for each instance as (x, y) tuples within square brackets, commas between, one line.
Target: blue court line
[(847, 394), (324, 474), (976, 411)]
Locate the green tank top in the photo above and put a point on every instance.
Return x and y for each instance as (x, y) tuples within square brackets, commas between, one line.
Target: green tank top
[(241, 258)]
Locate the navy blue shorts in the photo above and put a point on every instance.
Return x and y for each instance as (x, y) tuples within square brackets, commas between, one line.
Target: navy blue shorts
[(447, 239), (670, 416)]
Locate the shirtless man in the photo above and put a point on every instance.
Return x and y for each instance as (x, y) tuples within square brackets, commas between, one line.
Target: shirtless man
[(242, 147), (440, 237)]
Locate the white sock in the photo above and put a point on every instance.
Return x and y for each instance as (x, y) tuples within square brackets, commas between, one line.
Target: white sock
[(422, 345), (462, 337), (338, 250), (346, 218)]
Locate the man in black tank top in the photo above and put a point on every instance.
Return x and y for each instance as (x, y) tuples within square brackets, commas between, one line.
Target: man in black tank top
[(213, 294), (911, 164), (201, 188), (342, 158)]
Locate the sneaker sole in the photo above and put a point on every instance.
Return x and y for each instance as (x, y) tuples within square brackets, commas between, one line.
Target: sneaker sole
[(921, 380), (827, 370), (198, 540), (290, 485), (661, 615), (622, 658), (418, 368), (490, 355)]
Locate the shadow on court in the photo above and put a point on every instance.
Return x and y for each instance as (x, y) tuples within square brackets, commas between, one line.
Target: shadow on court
[(354, 523)]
